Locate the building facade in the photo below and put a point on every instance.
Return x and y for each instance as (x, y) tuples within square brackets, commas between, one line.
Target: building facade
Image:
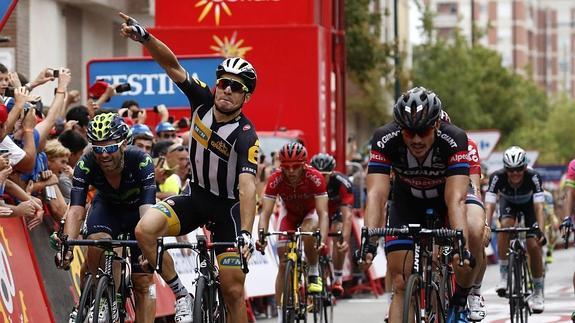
[(68, 33), (534, 37)]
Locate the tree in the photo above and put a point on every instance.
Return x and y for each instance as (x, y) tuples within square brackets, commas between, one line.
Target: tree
[(367, 62)]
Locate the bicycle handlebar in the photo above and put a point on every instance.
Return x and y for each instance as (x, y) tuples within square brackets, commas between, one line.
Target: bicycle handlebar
[(415, 230), (515, 230), (292, 234), (201, 245)]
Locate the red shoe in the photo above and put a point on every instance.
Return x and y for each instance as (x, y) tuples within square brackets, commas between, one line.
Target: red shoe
[(337, 289)]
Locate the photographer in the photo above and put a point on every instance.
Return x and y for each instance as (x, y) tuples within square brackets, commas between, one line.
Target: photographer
[(101, 92)]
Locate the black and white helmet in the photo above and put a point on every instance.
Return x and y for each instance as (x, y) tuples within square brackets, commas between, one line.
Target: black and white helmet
[(324, 163), (417, 109), (240, 67), (514, 157)]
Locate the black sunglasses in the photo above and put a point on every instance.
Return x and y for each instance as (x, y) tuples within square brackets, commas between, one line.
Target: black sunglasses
[(515, 169), (179, 148), (236, 86)]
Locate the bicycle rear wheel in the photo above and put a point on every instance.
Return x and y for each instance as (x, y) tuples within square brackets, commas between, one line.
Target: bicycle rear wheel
[(288, 297), (86, 298), (105, 307), (412, 301)]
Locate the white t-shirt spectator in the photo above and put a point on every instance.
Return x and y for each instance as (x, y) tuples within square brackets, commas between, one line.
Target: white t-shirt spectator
[(16, 153)]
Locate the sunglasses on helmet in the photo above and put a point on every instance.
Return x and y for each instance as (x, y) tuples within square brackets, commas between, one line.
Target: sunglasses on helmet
[(109, 149), (421, 133), (236, 86)]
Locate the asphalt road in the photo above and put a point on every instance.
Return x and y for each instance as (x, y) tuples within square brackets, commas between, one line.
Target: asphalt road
[(559, 297)]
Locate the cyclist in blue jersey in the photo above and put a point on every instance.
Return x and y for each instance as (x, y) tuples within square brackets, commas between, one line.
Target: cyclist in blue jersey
[(124, 179)]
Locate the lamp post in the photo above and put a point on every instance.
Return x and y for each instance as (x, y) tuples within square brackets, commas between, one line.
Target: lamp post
[(396, 51)]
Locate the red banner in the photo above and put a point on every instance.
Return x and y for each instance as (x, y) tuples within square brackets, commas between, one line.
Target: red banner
[(187, 13), (22, 295)]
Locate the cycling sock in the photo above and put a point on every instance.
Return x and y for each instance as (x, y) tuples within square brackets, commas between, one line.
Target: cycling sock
[(313, 270), (475, 290), (459, 298), (538, 283), (177, 287), (503, 267), (279, 313), (338, 274)]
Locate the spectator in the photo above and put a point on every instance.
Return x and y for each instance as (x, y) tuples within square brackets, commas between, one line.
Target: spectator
[(58, 163), (142, 137), (82, 116), (76, 143), (165, 130)]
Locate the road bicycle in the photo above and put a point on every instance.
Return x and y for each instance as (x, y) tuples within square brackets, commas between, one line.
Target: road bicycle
[(425, 293), (209, 305), (295, 295), (99, 297), (519, 280), (324, 301)]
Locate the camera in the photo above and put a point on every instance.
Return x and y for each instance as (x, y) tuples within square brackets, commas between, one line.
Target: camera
[(158, 106), (9, 92), (124, 87), (55, 73)]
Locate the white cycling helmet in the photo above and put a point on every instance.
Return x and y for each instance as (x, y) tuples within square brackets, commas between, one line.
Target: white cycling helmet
[(514, 157), (240, 67)]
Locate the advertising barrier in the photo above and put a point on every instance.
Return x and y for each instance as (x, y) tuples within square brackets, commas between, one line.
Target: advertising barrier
[(22, 294), (150, 84)]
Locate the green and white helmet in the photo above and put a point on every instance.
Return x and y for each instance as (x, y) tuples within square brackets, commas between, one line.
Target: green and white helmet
[(107, 126)]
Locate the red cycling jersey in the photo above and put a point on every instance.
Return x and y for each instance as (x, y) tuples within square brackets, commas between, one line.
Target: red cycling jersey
[(298, 200), (473, 153)]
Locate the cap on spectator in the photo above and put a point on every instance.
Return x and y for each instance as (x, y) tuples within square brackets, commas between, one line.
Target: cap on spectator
[(97, 89), (164, 127), (3, 113), (142, 131)]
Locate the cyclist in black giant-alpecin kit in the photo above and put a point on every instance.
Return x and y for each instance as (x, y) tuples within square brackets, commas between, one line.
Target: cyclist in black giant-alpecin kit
[(430, 161), (224, 151)]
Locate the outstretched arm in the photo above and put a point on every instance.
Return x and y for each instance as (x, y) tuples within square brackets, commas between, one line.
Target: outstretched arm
[(159, 51)]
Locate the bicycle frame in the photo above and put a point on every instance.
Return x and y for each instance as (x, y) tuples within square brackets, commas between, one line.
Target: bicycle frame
[(107, 269)]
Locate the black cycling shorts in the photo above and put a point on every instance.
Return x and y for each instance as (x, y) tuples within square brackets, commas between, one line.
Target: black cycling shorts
[(518, 211), (115, 220), (405, 210), (186, 213)]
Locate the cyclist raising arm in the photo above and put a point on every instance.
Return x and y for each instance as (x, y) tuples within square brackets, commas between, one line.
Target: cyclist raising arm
[(224, 149), (304, 204), (124, 179), (430, 163)]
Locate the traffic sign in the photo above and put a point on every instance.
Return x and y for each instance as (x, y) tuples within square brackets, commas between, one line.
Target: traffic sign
[(6, 8), (486, 141)]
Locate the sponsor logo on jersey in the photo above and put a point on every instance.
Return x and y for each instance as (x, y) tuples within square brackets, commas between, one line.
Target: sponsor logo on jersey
[(276, 181), (448, 139), (200, 132), (147, 161), (221, 146), (423, 183), (171, 202), (472, 153), (246, 127), (198, 82), (229, 259), (376, 156), (459, 157), (248, 170), (316, 180), (423, 172), (381, 143), (82, 165), (254, 152)]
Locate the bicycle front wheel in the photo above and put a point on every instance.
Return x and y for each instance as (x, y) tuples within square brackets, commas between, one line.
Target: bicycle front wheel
[(288, 296), (86, 298), (517, 304), (412, 301), (205, 310), (105, 307)]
